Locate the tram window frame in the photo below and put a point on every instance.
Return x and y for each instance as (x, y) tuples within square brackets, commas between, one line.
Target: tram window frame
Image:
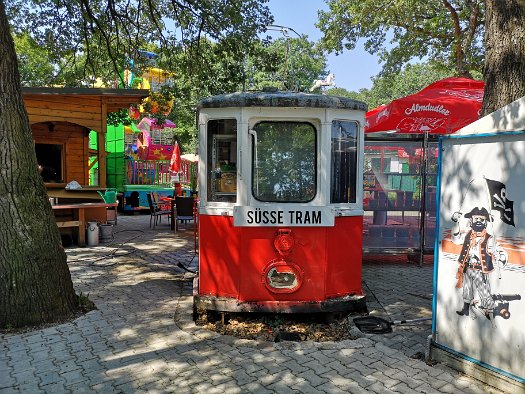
[(343, 176), (221, 160), (272, 191)]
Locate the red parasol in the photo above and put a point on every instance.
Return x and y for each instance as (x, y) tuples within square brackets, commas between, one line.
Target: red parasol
[(175, 167), (443, 107), (175, 159)]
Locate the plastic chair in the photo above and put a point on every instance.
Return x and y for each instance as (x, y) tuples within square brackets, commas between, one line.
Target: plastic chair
[(162, 204), (184, 210), (156, 211)]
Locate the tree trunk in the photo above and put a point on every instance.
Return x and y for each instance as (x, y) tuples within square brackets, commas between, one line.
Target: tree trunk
[(504, 71), (35, 283)]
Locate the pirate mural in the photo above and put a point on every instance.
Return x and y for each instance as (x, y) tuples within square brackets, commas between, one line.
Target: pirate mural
[(481, 254)]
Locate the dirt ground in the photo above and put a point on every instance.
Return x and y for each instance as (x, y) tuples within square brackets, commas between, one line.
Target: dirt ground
[(280, 327)]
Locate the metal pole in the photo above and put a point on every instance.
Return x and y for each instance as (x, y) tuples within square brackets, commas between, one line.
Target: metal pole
[(423, 195)]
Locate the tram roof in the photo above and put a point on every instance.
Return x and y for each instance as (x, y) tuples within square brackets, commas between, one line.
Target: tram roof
[(280, 99)]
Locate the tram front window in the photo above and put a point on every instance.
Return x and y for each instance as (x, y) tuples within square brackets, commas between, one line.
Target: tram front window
[(284, 161)]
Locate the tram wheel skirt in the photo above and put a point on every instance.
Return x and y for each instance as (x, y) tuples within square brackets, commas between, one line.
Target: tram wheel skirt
[(348, 303)]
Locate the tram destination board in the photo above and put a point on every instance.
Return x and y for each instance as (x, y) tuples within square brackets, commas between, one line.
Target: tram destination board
[(246, 216)]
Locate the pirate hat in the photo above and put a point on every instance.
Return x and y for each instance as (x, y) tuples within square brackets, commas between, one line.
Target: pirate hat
[(477, 211)]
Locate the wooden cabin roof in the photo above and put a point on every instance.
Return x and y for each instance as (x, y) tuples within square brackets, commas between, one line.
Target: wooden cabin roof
[(87, 107)]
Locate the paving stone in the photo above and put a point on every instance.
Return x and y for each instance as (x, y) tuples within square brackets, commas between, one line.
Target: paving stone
[(434, 383), (273, 368), (56, 340), (34, 337), (73, 377), (105, 388), (255, 387), (281, 388), (79, 388), (17, 357), (5, 370), (14, 346), (312, 377), (152, 387), (378, 388), (61, 356), (386, 381), (301, 388), (362, 368), (25, 377), (29, 388), (22, 364), (317, 367), (50, 378), (7, 382), (127, 387), (97, 378), (347, 387), (57, 388), (39, 355)]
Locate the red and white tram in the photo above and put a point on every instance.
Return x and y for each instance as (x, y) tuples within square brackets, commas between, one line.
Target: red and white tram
[(280, 212)]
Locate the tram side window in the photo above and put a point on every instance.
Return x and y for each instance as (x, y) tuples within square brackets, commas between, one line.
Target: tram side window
[(284, 161), (222, 160), (343, 162)]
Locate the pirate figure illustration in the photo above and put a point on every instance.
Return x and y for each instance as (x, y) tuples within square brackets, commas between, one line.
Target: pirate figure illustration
[(479, 256)]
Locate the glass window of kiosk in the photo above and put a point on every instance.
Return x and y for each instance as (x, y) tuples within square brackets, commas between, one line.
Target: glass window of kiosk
[(343, 165), (222, 160), (395, 172), (284, 161)]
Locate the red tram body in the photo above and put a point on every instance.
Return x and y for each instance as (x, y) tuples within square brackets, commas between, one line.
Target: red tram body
[(280, 211)]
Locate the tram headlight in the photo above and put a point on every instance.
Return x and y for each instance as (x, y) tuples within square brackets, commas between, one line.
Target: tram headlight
[(282, 277)]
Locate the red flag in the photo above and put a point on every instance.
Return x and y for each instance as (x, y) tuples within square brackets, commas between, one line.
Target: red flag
[(175, 159)]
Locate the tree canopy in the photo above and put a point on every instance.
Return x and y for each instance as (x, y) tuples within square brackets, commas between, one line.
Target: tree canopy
[(34, 64), (96, 38), (443, 31), (288, 63)]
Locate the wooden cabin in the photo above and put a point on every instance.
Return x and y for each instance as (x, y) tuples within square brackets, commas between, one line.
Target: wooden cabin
[(61, 119)]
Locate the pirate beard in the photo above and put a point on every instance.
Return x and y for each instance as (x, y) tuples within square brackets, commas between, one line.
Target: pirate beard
[(478, 226)]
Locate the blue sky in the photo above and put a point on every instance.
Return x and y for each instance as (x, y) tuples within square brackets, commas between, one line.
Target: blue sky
[(352, 69)]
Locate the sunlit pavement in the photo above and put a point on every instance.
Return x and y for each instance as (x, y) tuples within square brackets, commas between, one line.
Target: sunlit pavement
[(142, 337)]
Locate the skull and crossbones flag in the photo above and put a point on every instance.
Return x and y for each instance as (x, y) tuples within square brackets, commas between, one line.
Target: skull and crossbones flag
[(500, 202)]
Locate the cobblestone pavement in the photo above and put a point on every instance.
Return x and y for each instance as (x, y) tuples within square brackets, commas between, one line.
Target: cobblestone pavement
[(142, 337)]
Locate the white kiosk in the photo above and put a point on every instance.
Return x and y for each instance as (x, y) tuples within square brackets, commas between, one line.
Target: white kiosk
[(479, 277)]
